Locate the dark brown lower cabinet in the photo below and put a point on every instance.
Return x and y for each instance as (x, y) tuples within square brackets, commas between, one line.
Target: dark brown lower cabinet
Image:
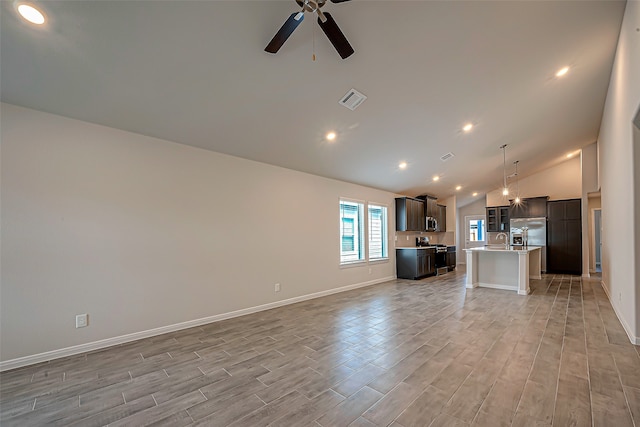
[(564, 237), (415, 263)]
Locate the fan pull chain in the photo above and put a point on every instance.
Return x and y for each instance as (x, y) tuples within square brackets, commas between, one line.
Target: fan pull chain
[(314, 42)]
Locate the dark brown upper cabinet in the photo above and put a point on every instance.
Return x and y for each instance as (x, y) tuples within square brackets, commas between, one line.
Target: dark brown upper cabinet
[(441, 218), (531, 207), (410, 214), (498, 219), (431, 206)]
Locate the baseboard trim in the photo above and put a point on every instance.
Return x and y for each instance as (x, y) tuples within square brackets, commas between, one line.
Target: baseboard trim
[(122, 339), (494, 286), (634, 340)]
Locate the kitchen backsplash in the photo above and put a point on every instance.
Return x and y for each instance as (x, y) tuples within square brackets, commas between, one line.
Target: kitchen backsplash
[(408, 238)]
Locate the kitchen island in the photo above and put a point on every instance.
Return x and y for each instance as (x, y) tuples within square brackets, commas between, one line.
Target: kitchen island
[(503, 267)]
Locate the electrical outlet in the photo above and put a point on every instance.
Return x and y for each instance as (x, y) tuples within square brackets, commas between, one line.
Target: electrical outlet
[(277, 287), (407, 237), (82, 320)]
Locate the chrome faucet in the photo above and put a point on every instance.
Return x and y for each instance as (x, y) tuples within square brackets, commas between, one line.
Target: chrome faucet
[(504, 236)]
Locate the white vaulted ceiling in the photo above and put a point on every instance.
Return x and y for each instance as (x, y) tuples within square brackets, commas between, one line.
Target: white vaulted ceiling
[(195, 72)]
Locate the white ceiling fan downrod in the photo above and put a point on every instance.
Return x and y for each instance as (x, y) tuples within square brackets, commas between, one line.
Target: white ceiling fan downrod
[(313, 6)]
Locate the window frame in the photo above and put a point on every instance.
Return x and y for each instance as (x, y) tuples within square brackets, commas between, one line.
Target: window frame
[(359, 230), (384, 237)]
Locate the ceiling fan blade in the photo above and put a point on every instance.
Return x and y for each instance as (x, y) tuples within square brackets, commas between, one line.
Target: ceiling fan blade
[(335, 36), (284, 32), (339, 1)]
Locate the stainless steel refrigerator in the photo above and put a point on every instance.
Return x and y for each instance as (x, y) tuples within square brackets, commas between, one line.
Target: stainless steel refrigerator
[(534, 230)]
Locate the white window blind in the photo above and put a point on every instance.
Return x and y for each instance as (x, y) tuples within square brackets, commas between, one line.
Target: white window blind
[(377, 232), (351, 232)]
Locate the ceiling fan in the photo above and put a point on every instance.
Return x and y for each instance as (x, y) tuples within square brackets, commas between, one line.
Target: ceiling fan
[(326, 22)]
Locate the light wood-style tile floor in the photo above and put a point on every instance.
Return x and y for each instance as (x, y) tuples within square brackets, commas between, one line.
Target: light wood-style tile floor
[(402, 353)]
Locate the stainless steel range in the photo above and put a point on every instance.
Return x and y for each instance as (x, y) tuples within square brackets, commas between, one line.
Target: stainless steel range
[(441, 259)]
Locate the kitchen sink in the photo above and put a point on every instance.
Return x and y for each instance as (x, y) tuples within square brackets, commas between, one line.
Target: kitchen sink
[(499, 247)]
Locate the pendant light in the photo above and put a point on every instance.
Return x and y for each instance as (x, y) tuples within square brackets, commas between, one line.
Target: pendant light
[(517, 200), (505, 190)]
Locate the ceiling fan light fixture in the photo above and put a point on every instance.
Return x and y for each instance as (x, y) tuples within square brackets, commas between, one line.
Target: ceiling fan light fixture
[(331, 136), (325, 21), (467, 127), (402, 165)]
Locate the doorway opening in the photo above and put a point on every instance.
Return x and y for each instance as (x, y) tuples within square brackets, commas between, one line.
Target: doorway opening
[(475, 231)]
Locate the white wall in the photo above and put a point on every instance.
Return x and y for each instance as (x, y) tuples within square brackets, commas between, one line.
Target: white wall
[(589, 174), (449, 237), (636, 145), (589, 165), (142, 233), (619, 168), (450, 203), (558, 182)]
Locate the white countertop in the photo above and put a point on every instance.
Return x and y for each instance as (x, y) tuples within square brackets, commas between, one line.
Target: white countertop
[(500, 248), (416, 247)]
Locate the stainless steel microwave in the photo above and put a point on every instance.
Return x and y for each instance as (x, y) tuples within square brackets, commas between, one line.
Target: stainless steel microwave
[(432, 223)]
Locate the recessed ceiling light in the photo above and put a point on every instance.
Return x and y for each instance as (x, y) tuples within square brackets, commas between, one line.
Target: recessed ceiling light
[(31, 14), (570, 155), (331, 136), (562, 71), (436, 178), (474, 194), (459, 187), (402, 165), (467, 127)]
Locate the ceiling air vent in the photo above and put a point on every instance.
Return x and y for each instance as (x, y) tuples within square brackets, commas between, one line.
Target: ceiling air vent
[(352, 99), (447, 156)]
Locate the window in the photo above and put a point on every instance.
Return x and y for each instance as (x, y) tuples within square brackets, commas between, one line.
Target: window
[(351, 232), (377, 232), (348, 236)]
